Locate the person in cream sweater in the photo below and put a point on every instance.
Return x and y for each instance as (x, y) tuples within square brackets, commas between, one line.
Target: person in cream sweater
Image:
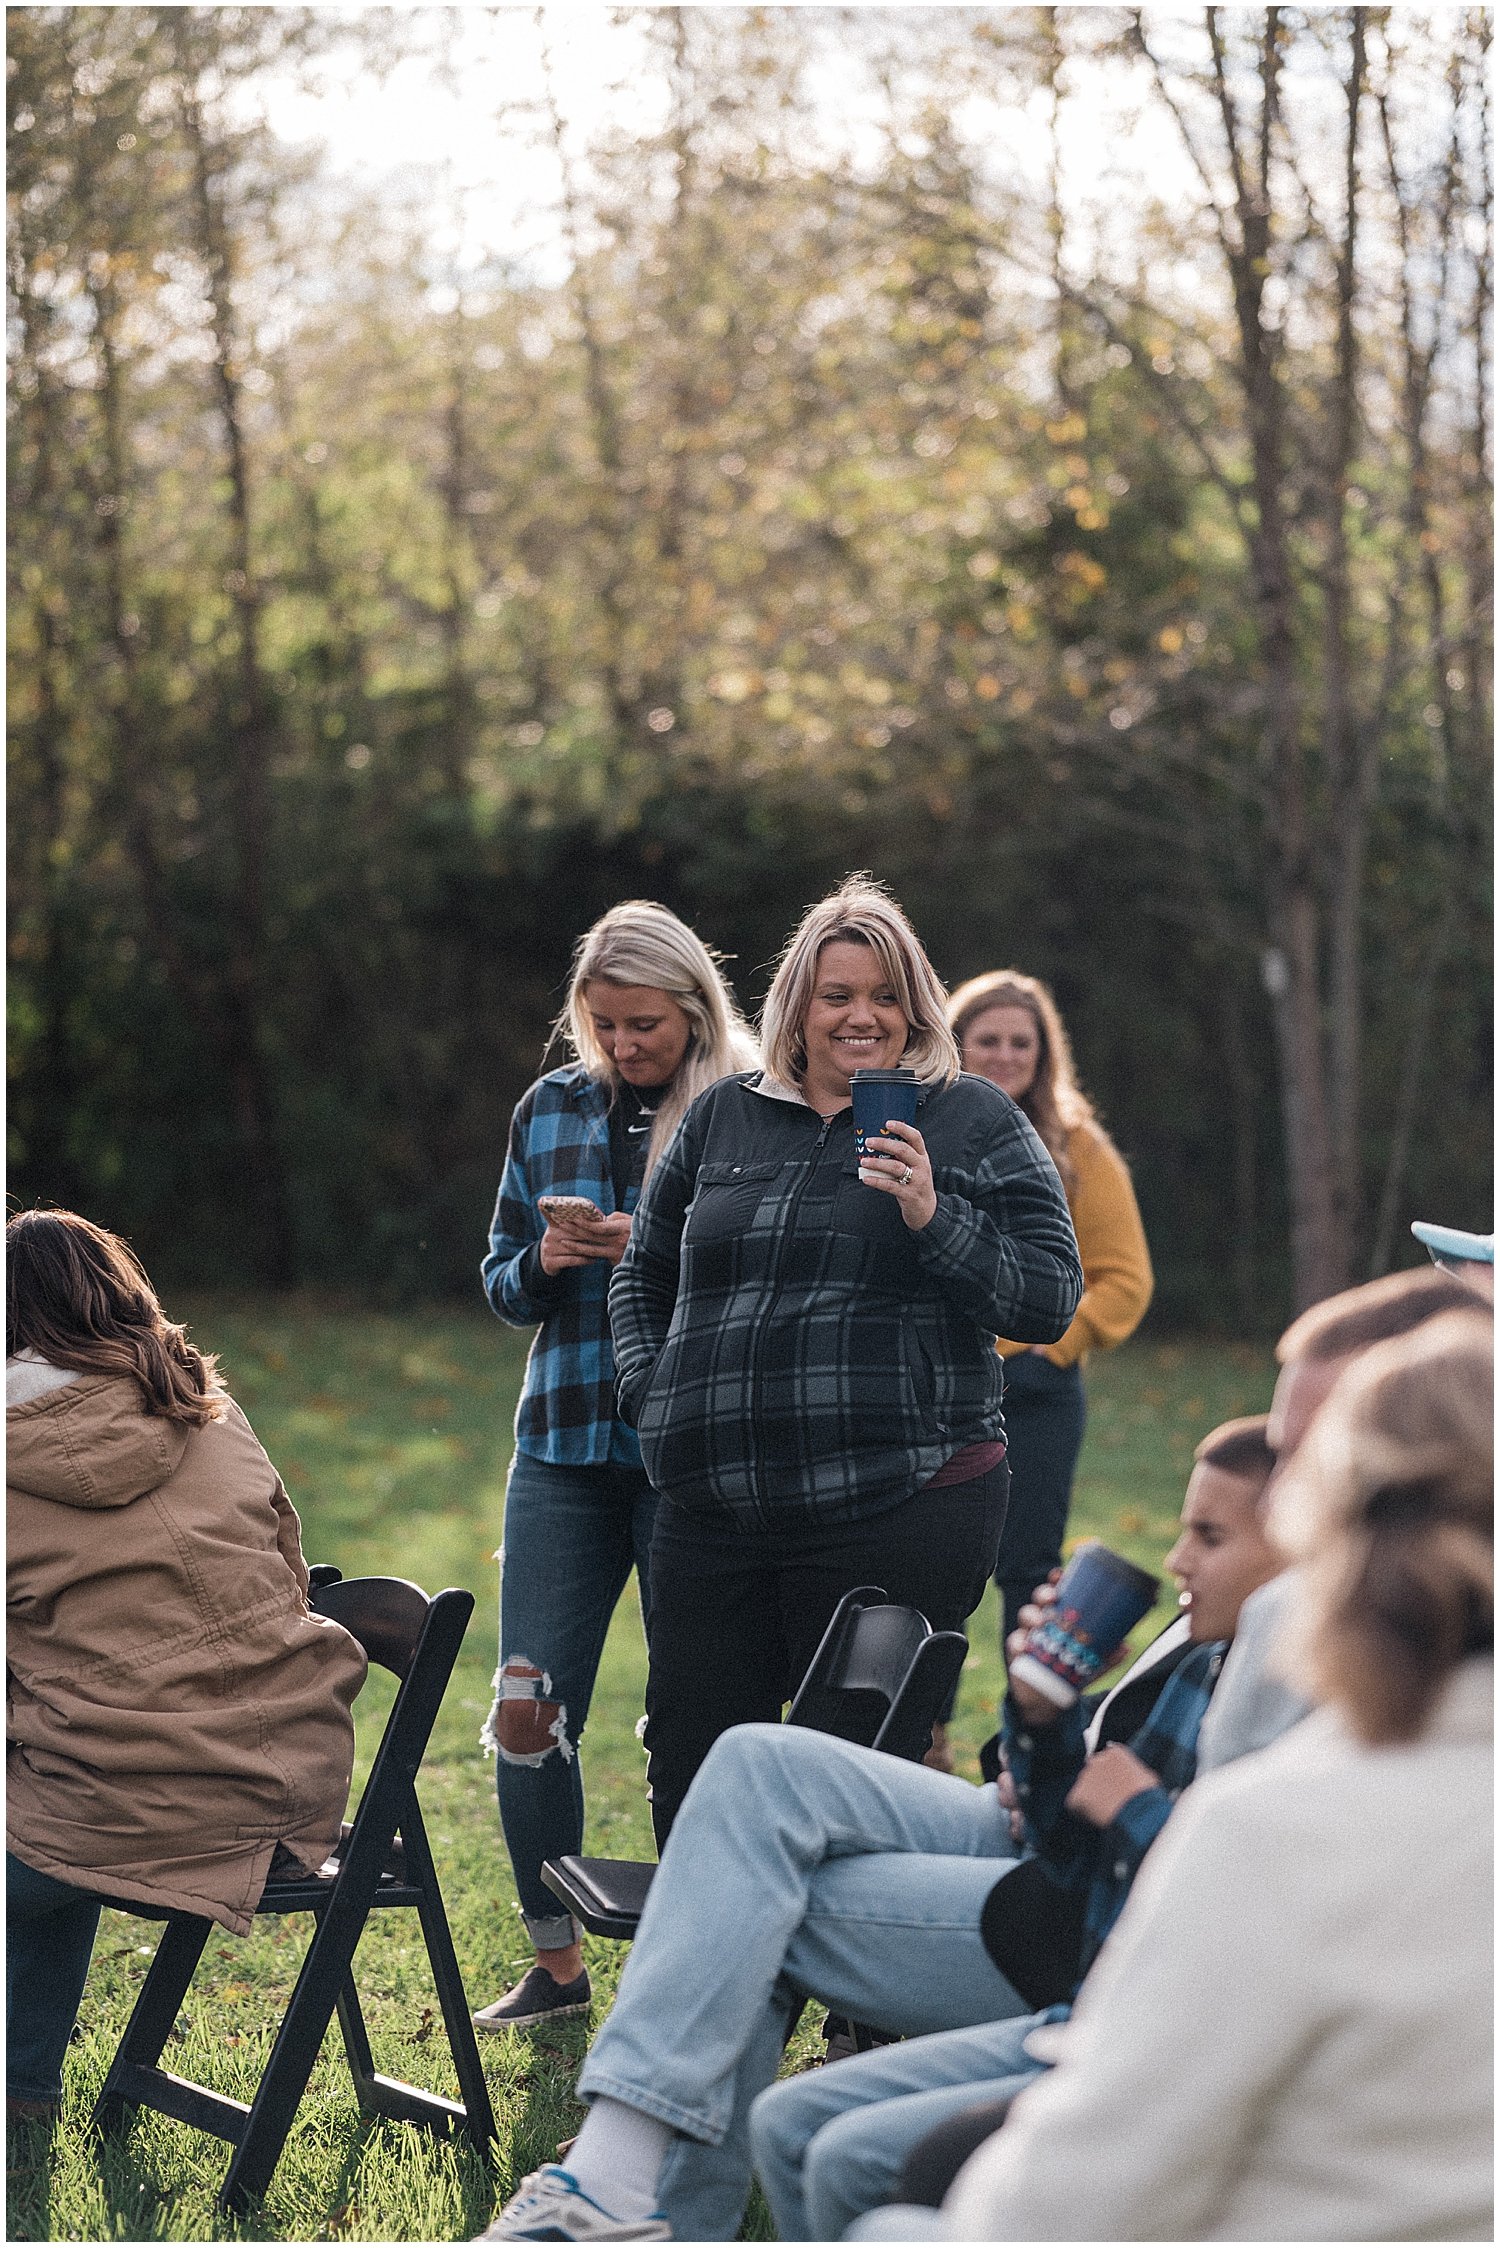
[(1288, 2036)]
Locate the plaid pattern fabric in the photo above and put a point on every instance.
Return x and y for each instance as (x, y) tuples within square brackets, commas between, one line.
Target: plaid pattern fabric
[(788, 1350), (1045, 1761), (559, 1144)]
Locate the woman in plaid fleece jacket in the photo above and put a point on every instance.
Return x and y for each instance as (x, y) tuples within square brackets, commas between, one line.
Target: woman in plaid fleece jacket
[(652, 1023), (807, 1349)]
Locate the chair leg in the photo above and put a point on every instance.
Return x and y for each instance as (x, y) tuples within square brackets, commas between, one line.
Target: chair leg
[(325, 1970), (357, 2046), (156, 2009), (462, 2043)]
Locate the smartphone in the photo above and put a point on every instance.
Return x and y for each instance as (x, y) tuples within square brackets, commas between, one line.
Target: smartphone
[(569, 1209)]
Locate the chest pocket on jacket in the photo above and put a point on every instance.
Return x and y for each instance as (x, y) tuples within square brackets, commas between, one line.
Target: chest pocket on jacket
[(726, 1198)]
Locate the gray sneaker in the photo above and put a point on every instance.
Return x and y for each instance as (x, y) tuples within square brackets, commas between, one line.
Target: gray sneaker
[(552, 2205), (537, 1997)]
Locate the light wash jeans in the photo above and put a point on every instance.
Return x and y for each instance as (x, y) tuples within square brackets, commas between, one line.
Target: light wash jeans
[(831, 2144), (572, 1536), (799, 1863)]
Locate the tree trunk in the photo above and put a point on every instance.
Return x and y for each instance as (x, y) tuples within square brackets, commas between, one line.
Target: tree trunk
[(1349, 762), (1294, 918), (273, 1241)]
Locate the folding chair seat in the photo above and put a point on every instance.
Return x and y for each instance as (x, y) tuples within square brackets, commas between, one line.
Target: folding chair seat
[(879, 1677), (383, 1861)]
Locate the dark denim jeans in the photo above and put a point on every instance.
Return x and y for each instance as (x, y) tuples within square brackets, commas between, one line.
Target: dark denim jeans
[(49, 1937), (572, 1536), (1044, 1417), (738, 1613)]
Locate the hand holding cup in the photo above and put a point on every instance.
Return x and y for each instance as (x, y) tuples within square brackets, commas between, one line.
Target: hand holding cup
[(897, 1163)]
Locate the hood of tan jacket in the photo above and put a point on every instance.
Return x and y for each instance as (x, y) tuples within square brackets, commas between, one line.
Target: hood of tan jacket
[(173, 1708), (90, 1445)]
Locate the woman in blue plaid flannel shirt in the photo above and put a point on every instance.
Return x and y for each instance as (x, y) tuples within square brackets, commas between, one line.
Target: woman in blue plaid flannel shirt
[(651, 1023)]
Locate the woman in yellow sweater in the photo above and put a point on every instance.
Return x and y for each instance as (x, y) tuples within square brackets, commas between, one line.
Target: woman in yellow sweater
[(1009, 1030)]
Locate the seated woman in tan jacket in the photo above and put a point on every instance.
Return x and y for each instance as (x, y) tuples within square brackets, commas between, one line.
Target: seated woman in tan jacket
[(174, 1711)]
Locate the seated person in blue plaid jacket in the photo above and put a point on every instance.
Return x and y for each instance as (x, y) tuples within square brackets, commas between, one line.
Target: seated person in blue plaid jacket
[(802, 1863)]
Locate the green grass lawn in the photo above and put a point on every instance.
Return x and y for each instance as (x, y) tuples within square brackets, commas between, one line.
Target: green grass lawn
[(393, 1436)]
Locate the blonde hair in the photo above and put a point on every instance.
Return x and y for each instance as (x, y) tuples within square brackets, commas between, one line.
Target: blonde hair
[(643, 943), (1054, 1102), (860, 911), (1389, 1503)]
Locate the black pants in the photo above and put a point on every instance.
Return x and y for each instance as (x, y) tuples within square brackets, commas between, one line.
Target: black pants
[(736, 1615), (1044, 1416)]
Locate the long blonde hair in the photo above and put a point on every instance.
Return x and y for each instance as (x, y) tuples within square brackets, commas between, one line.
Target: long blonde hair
[(1389, 1503), (639, 942), (859, 911), (1054, 1102)]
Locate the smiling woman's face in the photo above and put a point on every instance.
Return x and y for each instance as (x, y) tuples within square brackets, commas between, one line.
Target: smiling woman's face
[(1003, 1045), (855, 1021)]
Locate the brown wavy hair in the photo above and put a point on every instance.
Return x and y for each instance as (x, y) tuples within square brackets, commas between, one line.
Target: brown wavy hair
[(78, 1297), (1054, 1103), (1389, 1504)]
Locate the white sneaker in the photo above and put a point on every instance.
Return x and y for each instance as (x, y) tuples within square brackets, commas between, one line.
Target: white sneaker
[(552, 2205)]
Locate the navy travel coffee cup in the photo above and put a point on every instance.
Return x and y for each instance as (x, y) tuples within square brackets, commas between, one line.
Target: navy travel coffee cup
[(1100, 1597), (879, 1095)]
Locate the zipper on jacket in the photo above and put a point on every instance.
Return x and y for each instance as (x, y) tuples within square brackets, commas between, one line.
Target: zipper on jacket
[(774, 1290)]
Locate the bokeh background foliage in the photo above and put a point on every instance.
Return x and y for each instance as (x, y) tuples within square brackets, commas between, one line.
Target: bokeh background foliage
[(1116, 586)]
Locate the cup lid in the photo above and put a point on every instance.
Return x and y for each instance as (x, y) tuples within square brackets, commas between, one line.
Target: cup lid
[(897, 1076), (1446, 1244)]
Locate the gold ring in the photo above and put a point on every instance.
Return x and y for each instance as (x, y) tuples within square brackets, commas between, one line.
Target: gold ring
[(906, 1176)]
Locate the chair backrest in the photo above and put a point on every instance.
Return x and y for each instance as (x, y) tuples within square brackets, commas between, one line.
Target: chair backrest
[(387, 1615), (418, 1638), (880, 1675)]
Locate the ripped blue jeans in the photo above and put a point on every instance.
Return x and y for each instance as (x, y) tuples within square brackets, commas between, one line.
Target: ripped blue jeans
[(572, 1536)]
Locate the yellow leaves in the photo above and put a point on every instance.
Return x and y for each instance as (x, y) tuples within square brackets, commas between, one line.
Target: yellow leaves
[(1071, 429), (987, 687), (1020, 620), (1091, 518), (985, 564), (1170, 639), (733, 686), (1084, 572)]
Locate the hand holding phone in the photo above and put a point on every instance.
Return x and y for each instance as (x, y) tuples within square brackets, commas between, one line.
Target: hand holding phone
[(571, 1210), (579, 1233)]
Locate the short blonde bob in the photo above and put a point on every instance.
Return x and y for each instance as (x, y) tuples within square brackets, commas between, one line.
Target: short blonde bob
[(1389, 1506), (639, 942), (860, 911)]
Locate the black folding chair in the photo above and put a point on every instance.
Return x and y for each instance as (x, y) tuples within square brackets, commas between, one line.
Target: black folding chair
[(879, 1677), (418, 1639)]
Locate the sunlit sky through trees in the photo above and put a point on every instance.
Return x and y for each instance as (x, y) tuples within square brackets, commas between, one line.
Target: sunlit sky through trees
[(455, 124)]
